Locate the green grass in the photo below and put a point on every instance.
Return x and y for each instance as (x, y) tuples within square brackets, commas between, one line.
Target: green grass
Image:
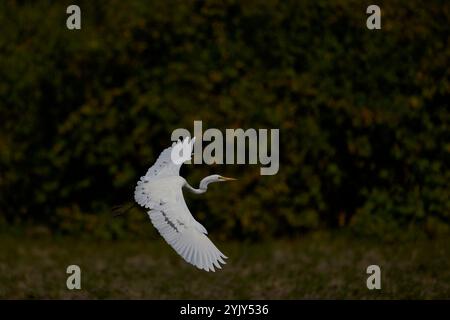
[(317, 266)]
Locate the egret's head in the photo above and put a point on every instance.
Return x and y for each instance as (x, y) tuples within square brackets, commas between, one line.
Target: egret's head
[(213, 178)]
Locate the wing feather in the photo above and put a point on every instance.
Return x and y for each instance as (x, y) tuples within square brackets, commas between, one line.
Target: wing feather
[(163, 167), (191, 244)]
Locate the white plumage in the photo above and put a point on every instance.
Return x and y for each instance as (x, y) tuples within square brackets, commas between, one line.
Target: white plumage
[(160, 191)]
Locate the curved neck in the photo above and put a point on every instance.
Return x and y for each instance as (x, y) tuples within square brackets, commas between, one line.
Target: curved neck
[(193, 190), (203, 187)]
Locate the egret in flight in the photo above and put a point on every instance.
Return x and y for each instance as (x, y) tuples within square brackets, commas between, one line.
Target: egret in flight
[(160, 191)]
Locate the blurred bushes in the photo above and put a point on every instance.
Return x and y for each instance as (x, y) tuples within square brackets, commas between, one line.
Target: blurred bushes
[(363, 114)]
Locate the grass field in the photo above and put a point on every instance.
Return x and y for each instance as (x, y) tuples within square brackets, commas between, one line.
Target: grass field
[(320, 266)]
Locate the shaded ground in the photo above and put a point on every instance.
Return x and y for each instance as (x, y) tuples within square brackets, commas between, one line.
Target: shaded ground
[(317, 266)]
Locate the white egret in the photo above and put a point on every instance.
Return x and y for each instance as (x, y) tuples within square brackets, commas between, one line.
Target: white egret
[(160, 191)]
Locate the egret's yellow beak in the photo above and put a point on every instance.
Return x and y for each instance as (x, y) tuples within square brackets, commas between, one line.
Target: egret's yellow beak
[(227, 179)]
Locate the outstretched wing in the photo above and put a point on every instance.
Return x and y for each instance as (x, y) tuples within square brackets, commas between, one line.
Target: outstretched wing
[(173, 220), (171, 159), (168, 164)]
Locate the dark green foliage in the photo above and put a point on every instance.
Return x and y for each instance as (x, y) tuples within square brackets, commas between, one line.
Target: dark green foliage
[(363, 115)]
